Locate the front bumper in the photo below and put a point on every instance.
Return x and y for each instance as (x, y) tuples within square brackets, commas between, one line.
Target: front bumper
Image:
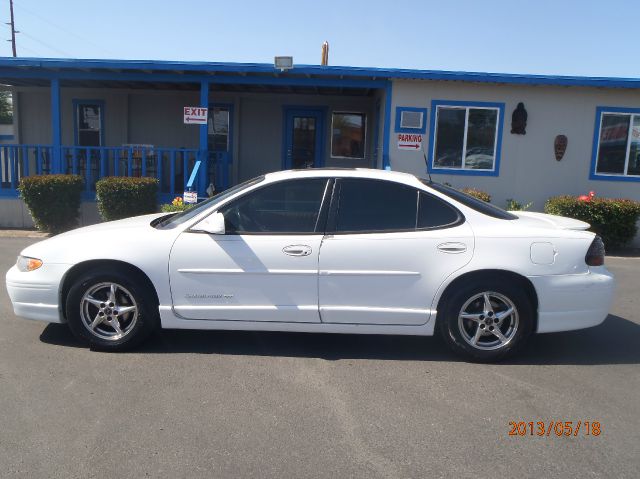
[(573, 301), (35, 294)]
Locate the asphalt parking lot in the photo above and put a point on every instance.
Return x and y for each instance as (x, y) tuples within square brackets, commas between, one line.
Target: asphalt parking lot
[(227, 404)]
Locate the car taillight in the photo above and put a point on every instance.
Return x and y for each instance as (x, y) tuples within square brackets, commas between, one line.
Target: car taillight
[(595, 255)]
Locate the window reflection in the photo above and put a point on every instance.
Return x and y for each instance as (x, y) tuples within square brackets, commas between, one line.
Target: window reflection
[(348, 135), (89, 124), (218, 129), (450, 137), (469, 133), (303, 153)]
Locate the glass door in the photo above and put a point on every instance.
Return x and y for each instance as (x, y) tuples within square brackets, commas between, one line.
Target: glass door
[(220, 146), (304, 133)]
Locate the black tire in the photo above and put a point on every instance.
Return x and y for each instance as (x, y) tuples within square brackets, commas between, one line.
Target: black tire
[(459, 333), (130, 291)]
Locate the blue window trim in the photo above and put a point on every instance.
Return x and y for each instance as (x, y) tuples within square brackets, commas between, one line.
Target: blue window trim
[(376, 135), (593, 175), (432, 138), (76, 104), (399, 129), (388, 93), (6, 137)]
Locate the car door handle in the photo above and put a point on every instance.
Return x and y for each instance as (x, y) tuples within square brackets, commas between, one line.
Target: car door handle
[(452, 248), (297, 250)]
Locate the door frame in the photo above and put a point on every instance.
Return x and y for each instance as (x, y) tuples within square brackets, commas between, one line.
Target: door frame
[(320, 113)]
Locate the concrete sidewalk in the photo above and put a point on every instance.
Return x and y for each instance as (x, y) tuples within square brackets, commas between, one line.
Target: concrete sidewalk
[(21, 233)]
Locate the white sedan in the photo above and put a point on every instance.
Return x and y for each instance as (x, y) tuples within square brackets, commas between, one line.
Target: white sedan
[(340, 251)]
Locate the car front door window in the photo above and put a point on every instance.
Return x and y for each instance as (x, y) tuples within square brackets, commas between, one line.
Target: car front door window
[(287, 207)]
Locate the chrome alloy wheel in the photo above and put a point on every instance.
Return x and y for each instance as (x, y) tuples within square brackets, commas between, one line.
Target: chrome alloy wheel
[(109, 311), (488, 321)]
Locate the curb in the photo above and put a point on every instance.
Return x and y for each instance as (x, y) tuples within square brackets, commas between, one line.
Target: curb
[(17, 233)]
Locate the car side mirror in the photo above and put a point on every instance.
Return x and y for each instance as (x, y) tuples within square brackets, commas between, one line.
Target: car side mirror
[(212, 224)]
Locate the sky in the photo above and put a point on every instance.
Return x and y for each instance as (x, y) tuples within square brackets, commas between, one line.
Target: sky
[(565, 37)]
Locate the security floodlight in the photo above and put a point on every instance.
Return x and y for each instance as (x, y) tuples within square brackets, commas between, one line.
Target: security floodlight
[(283, 63)]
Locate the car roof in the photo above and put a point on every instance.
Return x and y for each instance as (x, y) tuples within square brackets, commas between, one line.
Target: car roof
[(344, 172)]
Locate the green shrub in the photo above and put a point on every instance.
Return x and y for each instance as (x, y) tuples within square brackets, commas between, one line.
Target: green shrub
[(481, 195), (53, 200), (613, 219), (514, 205), (120, 197)]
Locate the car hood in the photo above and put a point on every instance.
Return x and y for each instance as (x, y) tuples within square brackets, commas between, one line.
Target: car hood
[(77, 243), (543, 220), (126, 223)]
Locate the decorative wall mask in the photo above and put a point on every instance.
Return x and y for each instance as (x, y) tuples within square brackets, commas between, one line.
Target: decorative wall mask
[(560, 146), (519, 120)]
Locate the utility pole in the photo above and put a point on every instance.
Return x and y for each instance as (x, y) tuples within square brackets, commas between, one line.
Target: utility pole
[(13, 29)]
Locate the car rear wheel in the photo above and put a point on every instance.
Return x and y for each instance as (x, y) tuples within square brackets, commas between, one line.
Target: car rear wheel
[(488, 321), (110, 310)]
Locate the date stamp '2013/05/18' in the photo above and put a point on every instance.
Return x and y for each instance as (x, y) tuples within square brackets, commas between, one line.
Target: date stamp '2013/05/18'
[(556, 428)]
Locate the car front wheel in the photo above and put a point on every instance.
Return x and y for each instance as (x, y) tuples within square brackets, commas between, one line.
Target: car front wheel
[(487, 322), (110, 310)]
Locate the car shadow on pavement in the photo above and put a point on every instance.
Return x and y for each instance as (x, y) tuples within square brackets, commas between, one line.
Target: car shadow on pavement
[(613, 342)]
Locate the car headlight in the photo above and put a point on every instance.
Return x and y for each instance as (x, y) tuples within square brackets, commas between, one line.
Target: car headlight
[(25, 263)]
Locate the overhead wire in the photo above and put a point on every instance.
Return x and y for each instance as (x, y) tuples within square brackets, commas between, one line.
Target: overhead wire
[(20, 6), (44, 44), (22, 47)]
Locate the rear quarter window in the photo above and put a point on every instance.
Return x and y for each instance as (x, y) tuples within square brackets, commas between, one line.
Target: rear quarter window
[(436, 213)]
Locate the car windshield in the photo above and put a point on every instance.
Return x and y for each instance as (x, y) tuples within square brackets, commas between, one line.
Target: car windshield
[(471, 202), (175, 219)]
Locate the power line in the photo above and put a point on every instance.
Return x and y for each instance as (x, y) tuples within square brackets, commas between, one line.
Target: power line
[(36, 53), (44, 44), (62, 29)]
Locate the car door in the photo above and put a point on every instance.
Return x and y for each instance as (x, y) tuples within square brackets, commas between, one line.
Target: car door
[(265, 266), (388, 249)]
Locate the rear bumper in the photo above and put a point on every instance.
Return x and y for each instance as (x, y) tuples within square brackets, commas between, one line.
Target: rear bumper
[(35, 295), (575, 301)]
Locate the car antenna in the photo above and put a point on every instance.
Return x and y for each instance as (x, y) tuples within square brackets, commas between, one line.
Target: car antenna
[(426, 162)]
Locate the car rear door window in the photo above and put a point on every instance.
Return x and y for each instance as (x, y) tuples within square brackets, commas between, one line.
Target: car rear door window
[(435, 213), (375, 205), (281, 208)]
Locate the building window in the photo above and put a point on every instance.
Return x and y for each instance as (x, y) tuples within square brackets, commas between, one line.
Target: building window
[(89, 128), (348, 135), (411, 120), (466, 137), (218, 129), (6, 108), (6, 116), (617, 144)]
